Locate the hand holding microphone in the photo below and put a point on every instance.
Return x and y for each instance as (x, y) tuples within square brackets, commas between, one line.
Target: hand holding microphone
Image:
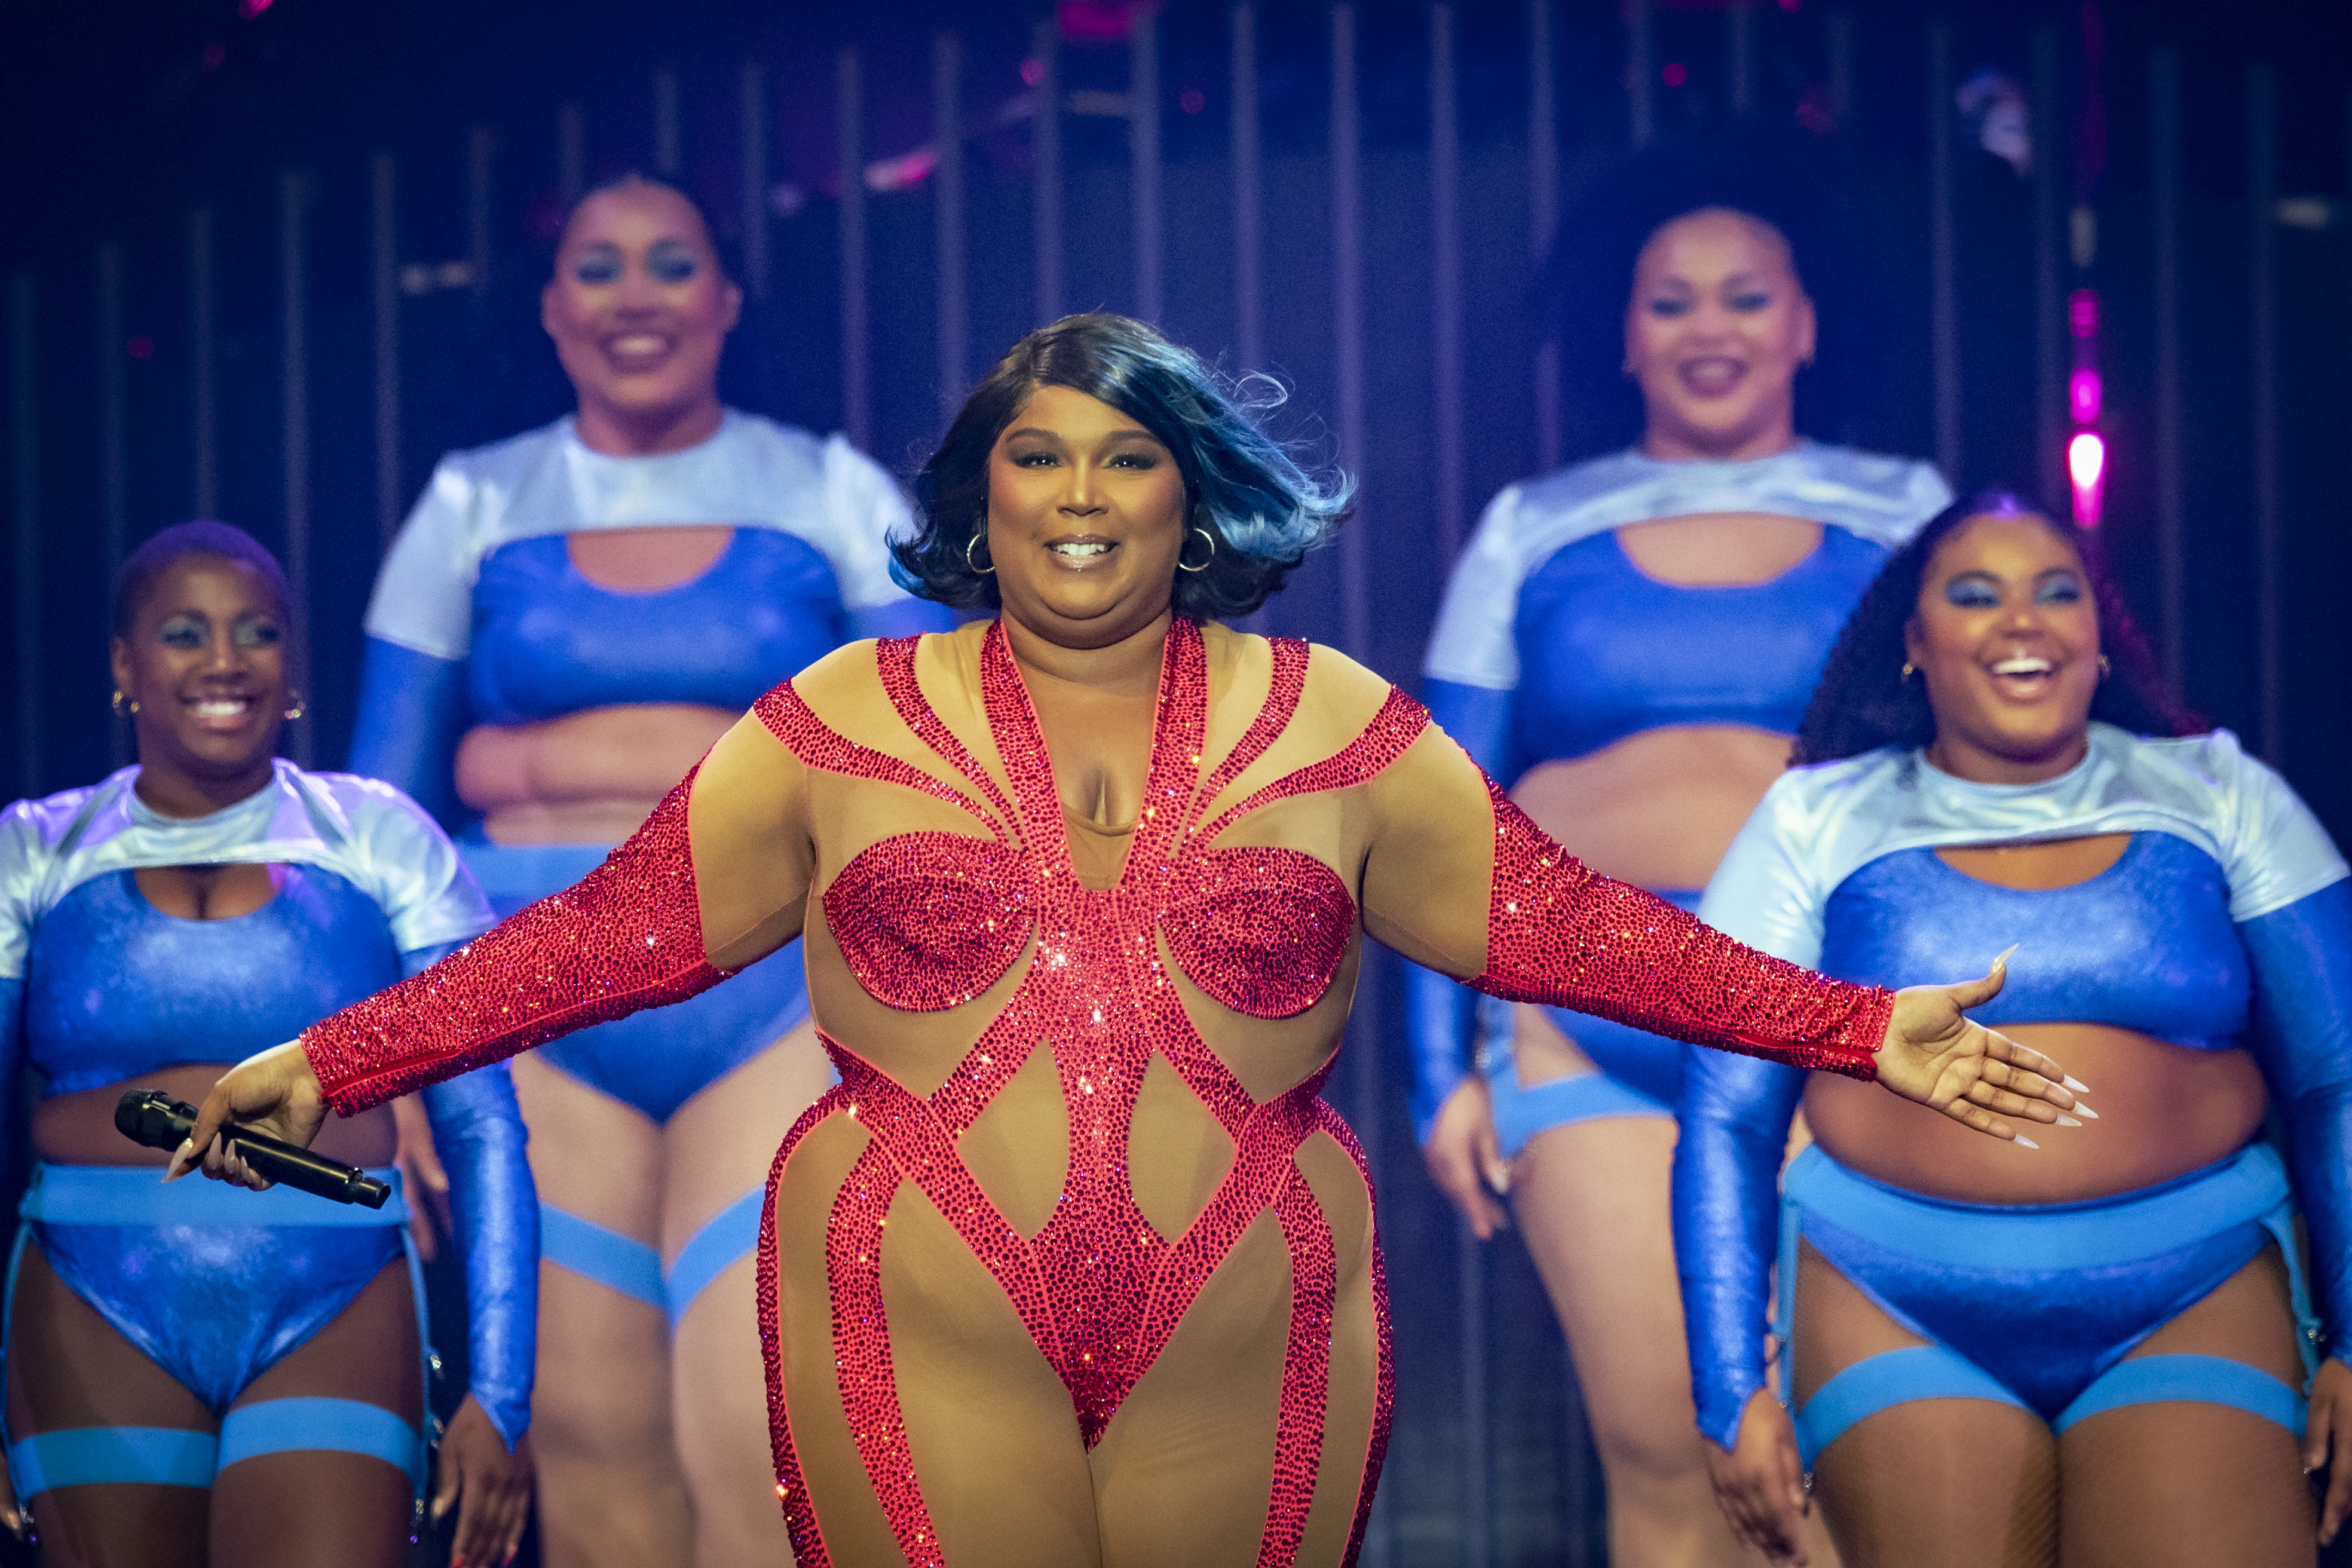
[(151, 1117), (271, 1094)]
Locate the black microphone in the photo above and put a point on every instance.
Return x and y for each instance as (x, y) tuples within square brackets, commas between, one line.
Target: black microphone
[(150, 1116)]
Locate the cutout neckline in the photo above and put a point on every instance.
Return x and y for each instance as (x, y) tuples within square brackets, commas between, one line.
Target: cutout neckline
[(717, 558), (1821, 544), (2130, 843)]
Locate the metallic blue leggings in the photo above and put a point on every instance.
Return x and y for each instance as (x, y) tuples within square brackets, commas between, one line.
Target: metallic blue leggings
[(2038, 1307)]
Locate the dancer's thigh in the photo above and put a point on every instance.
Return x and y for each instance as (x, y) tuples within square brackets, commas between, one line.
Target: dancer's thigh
[(2186, 1483), (998, 1462), (1963, 1482), (69, 1368), (1592, 1199), (715, 1149), (610, 1489), (313, 1508), (1186, 1470)]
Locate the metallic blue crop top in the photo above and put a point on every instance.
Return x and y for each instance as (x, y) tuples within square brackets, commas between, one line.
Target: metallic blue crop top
[(2146, 945), (1607, 651), (116, 989), (547, 641)]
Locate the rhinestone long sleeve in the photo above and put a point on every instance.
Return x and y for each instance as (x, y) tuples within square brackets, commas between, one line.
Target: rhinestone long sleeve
[(1561, 934), (626, 937)]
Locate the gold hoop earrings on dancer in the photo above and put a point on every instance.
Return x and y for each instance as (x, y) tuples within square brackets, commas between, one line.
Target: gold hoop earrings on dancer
[(298, 710), (1212, 556), (120, 708), (978, 534)]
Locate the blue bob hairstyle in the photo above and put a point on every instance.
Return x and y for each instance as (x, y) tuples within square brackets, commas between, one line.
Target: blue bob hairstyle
[(1264, 511)]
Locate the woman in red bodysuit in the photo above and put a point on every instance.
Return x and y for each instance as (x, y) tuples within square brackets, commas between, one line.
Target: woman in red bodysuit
[(1073, 1268)]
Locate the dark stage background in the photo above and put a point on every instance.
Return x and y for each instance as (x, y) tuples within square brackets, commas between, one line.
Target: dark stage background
[(267, 260)]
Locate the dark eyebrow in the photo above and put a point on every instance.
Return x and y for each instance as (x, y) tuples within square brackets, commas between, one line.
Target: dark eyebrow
[(1033, 430)]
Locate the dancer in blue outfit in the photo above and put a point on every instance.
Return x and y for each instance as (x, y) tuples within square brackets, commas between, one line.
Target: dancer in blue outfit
[(567, 621), (2123, 1321), (1629, 643), (188, 1383)]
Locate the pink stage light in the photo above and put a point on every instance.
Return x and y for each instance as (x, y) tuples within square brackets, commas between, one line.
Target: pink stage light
[(2084, 396), (2086, 465)]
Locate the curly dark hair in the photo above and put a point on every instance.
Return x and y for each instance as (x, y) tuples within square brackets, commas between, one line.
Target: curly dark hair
[(1863, 701), (166, 549), (1796, 186), (1260, 508)]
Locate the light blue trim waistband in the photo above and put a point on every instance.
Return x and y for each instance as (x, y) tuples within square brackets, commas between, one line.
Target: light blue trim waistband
[(2104, 1233), (137, 1194), (730, 1233)]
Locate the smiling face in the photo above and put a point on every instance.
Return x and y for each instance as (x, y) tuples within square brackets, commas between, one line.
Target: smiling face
[(639, 311), (1085, 519), (1714, 330), (2006, 635), (205, 661)]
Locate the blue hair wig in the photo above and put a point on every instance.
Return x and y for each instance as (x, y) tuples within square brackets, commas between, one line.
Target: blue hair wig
[(1262, 510)]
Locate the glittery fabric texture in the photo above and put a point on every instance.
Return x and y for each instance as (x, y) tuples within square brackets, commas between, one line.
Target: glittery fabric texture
[(928, 921), (626, 936), (1561, 934)]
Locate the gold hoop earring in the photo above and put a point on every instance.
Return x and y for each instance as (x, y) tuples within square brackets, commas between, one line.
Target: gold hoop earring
[(298, 709), (2105, 666), (988, 570), (1909, 669), (120, 708), (1203, 566)]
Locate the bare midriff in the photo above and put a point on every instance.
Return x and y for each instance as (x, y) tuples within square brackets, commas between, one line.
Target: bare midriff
[(1659, 808), (591, 777), (2164, 1110)]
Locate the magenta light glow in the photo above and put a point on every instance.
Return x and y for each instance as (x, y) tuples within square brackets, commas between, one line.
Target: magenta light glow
[(2086, 464), (2083, 396)]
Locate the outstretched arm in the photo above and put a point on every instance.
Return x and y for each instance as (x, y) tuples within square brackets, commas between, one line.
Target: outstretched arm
[(715, 879), (1469, 885)]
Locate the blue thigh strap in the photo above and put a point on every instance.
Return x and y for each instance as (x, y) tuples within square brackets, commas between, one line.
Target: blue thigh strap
[(2203, 1379), (1523, 1111), (171, 1457), (1892, 1377), (635, 1270), (730, 1233), (612, 1260)]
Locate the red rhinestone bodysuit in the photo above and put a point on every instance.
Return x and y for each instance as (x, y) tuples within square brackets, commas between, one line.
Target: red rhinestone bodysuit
[(928, 920)]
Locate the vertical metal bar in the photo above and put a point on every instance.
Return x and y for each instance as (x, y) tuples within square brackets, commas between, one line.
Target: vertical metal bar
[(481, 156), (570, 154), (1639, 69), (849, 138), (1740, 54), (2049, 338), (1045, 154), (204, 406), (2262, 201), (666, 158), (383, 246), (1348, 324), (24, 381), (2164, 177), (1942, 267), (1840, 28), (294, 375), (1249, 199), (755, 180), (1143, 141), (1445, 278), (955, 309), (1543, 221)]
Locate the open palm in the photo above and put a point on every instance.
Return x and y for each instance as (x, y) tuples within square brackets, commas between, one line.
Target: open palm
[(1937, 1054)]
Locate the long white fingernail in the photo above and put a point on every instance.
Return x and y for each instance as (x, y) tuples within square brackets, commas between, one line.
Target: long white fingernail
[(2027, 1142), (2076, 1084), (2086, 1112), (2066, 1121), (2002, 962)]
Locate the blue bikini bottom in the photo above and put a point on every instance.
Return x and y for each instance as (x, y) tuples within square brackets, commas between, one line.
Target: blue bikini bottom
[(653, 1061), (2038, 1307), (1640, 1073), (215, 1285)]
